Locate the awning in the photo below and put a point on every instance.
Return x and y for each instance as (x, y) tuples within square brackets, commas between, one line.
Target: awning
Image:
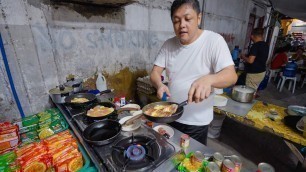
[(292, 8)]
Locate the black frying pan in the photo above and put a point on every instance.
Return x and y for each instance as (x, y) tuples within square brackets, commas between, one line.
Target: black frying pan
[(173, 117), (91, 99), (102, 132), (105, 104)]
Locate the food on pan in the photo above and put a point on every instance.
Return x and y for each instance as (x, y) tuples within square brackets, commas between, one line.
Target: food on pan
[(162, 110), (99, 111), (79, 100)]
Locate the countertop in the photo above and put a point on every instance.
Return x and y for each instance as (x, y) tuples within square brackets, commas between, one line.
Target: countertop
[(257, 118)]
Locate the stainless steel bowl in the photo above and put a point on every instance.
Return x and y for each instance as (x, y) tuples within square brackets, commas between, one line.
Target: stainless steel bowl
[(242, 93)]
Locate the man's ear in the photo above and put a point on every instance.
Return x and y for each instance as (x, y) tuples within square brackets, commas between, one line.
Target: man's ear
[(199, 18)]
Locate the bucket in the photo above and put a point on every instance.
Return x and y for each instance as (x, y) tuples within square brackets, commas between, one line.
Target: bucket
[(215, 126)]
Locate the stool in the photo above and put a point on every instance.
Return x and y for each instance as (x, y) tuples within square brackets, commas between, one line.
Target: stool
[(273, 73), (282, 81)]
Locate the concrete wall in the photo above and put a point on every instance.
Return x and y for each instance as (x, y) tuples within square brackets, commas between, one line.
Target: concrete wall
[(229, 18), (45, 42)]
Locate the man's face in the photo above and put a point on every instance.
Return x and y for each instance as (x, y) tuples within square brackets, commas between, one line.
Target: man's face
[(185, 23), (299, 52)]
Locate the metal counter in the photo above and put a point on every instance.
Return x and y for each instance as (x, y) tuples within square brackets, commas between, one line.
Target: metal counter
[(164, 167)]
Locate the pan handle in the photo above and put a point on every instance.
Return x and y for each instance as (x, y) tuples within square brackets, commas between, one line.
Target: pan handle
[(130, 121), (184, 103)]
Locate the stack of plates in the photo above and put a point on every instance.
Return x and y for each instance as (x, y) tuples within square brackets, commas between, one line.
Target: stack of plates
[(220, 100)]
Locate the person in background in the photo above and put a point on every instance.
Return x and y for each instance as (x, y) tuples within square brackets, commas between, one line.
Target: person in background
[(299, 57), (280, 58), (195, 61), (255, 61)]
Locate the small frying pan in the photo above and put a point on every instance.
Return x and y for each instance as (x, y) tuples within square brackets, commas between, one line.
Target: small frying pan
[(91, 99), (173, 117), (105, 104), (102, 132)]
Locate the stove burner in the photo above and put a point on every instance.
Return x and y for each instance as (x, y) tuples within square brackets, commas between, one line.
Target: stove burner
[(135, 152)]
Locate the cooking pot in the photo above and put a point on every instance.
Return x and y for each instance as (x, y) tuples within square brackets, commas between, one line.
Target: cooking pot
[(76, 84), (242, 93), (59, 93)]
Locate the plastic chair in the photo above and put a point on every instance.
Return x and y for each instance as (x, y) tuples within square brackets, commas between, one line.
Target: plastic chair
[(273, 73), (282, 81)]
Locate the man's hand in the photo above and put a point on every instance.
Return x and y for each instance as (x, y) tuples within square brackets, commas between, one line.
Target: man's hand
[(200, 89), (161, 89)]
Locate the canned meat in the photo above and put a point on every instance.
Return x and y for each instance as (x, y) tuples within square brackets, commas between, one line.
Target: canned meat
[(265, 167), (227, 166), (212, 167), (237, 162), (218, 158)]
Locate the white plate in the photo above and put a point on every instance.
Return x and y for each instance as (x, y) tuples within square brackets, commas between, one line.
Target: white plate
[(168, 129), (136, 124)]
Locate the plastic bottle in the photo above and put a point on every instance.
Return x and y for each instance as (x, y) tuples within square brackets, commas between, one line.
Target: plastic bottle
[(101, 82), (235, 53)]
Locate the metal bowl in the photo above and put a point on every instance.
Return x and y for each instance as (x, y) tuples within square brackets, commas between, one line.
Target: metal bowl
[(295, 110)]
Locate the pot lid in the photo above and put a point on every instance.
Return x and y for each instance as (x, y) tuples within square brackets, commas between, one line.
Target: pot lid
[(244, 89), (60, 90), (73, 82)]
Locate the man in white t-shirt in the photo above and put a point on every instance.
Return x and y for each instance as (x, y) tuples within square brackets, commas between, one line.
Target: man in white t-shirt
[(195, 61)]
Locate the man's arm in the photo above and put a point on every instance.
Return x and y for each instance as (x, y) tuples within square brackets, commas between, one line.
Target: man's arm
[(155, 76), (157, 82), (201, 88), (249, 59)]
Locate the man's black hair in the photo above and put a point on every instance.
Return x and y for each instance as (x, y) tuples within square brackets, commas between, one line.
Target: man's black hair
[(258, 32), (178, 3)]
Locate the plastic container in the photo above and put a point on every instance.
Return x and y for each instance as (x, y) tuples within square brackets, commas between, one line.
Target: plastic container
[(235, 53), (290, 69), (101, 82), (86, 167)]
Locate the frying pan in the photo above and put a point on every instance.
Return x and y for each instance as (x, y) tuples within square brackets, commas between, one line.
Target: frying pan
[(102, 132), (173, 117), (105, 104), (90, 96), (91, 99)]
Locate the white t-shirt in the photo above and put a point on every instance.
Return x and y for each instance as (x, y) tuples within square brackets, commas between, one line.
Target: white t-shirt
[(208, 54)]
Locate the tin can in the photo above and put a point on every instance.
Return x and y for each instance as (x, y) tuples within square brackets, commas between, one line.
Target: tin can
[(227, 166), (237, 161), (265, 167), (218, 158), (185, 139), (212, 167), (197, 158)]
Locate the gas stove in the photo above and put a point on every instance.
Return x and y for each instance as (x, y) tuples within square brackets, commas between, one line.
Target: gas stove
[(139, 150)]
